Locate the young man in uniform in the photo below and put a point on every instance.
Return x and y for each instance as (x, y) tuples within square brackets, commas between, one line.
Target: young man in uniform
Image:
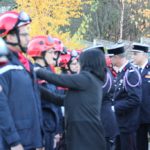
[(21, 117), (127, 98), (140, 58)]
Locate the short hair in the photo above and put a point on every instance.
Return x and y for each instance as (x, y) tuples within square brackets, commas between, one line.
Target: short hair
[(93, 60)]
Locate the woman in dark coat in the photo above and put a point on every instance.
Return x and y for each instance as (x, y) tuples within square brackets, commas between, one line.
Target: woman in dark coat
[(83, 125)]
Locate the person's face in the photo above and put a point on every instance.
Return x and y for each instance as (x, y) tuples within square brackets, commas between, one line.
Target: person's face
[(138, 57), (49, 57), (114, 60), (24, 36), (74, 66)]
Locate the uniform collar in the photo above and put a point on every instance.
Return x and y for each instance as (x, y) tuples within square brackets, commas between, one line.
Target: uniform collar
[(123, 66), (144, 65)]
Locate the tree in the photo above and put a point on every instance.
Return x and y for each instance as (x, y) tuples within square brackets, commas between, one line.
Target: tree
[(103, 20), (118, 19), (122, 8), (6, 5), (140, 16), (51, 16)]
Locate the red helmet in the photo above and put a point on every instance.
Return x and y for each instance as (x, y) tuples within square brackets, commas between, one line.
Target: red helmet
[(40, 44), (11, 20), (59, 46), (64, 60)]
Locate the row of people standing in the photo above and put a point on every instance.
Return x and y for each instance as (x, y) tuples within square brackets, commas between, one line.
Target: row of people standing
[(21, 114), (126, 96), (129, 102), (107, 115), (131, 97), (25, 122)]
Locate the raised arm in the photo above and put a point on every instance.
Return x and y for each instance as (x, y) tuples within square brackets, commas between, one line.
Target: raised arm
[(52, 97), (78, 81)]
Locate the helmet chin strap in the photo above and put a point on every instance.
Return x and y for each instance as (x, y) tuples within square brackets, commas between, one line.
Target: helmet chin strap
[(56, 59), (13, 44), (45, 61), (23, 49)]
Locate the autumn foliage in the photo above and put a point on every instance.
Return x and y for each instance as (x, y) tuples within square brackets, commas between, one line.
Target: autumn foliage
[(50, 16), (141, 15)]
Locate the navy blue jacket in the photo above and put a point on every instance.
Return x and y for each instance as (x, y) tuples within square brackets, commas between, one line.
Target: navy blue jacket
[(107, 115), (20, 107), (127, 98), (145, 106), (52, 115)]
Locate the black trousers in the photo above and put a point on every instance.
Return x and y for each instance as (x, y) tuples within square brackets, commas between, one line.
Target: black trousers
[(142, 136), (126, 141)]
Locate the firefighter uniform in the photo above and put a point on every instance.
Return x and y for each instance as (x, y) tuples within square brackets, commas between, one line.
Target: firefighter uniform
[(127, 97), (20, 108), (144, 129)]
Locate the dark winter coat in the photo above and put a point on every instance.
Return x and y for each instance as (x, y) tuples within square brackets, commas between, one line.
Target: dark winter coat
[(84, 130), (20, 107)]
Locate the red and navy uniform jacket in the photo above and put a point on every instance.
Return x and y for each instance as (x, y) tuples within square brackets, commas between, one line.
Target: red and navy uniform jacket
[(20, 107), (127, 99)]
